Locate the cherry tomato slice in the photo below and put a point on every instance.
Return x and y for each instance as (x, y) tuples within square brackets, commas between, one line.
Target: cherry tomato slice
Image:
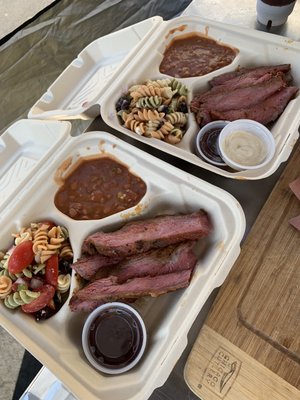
[(51, 274), (46, 294), (21, 257)]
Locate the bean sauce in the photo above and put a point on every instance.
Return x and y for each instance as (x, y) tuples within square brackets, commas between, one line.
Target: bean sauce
[(195, 55), (97, 188)]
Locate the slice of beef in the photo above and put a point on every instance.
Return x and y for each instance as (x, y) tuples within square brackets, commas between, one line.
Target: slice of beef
[(241, 98), (254, 72), (87, 266), (84, 305), (230, 86), (155, 262), (252, 78), (154, 233), (264, 112), (203, 116), (244, 97), (104, 290)]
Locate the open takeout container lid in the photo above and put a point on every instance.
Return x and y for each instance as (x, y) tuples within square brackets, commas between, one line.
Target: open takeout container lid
[(77, 92), (25, 147), (56, 342)]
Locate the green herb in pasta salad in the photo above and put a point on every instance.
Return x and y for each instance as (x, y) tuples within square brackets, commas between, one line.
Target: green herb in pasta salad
[(35, 273)]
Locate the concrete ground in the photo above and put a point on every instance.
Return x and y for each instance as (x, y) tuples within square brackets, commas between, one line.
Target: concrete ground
[(13, 13)]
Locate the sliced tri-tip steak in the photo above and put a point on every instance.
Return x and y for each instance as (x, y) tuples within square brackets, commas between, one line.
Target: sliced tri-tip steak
[(87, 266), (264, 112), (84, 305), (154, 233), (106, 289), (254, 72), (243, 97), (154, 262), (230, 86)]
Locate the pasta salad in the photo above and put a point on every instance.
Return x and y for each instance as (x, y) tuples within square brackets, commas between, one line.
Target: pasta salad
[(156, 109), (35, 273)]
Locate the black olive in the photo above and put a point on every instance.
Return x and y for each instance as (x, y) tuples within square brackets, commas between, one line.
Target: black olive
[(65, 266), (182, 107), (43, 314), (164, 109), (123, 103)]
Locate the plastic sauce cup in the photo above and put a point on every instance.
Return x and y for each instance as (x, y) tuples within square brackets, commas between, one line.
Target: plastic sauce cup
[(206, 144), (114, 338), (243, 140)]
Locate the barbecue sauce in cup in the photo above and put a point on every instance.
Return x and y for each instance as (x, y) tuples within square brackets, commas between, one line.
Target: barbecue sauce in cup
[(206, 144), (114, 338)]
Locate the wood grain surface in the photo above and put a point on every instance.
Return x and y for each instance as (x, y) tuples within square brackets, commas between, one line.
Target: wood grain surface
[(249, 347)]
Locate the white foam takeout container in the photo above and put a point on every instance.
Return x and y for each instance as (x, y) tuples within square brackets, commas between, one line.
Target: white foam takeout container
[(77, 91), (255, 49), (56, 342)]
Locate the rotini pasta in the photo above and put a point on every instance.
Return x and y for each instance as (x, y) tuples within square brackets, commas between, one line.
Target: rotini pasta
[(148, 115), (174, 136), (178, 103), (177, 117), (66, 251), (155, 109), (39, 269), (26, 272), (179, 87), (46, 254), (149, 102), (4, 267), (166, 128), (4, 261), (147, 91), (5, 272), (20, 298), (5, 286), (152, 126), (39, 277), (159, 82), (63, 283), (48, 242), (23, 237), (135, 126), (40, 240)]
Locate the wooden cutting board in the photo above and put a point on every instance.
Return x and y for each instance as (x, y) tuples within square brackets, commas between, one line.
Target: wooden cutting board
[(249, 346)]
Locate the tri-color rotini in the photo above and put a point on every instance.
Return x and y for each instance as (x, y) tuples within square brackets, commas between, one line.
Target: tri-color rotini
[(47, 240), (19, 298), (18, 289), (155, 109)]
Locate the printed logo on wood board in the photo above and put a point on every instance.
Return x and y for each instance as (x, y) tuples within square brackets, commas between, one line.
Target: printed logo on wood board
[(221, 372)]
